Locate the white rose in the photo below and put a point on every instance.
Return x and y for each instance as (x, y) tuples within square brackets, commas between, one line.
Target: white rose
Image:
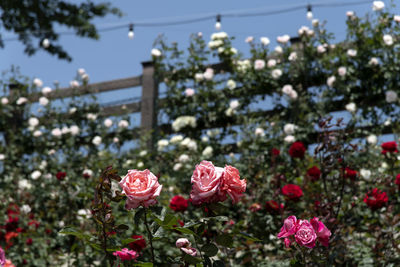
[(81, 71), (378, 5), (292, 56), (72, 110), (2, 157), (123, 124), (46, 90), (249, 39), (388, 39), (265, 41), (4, 100), (56, 132), (342, 71), (208, 74), (74, 130), (276, 73), (259, 64), (271, 63), (330, 81), (234, 104), (290, 139), (396, 18), (37, 82), (22, 100), (283, 39), (289, 128), (373, 61), (24, 184), (43, 101), (91, 116), (352, 53), (35, 175), (183, 158), (177, 166), (155, 52), (161, 144), (74, 84), (351, 107), (37, 133), (108, 123), (33, 122), (321, 49), (366, 174), (207, 152), (315, 22), (64, 130), (176, 139), (96, 140), (259, 132), (372, 139), (231, 84), (25, 209), (278, 49)]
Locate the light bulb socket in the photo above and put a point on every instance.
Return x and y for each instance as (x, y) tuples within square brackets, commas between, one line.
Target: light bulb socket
[(131, 27), (219, 18), (309, 8)]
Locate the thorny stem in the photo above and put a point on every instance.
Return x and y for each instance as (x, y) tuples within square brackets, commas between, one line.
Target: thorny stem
[(197, 246), (149, 235)]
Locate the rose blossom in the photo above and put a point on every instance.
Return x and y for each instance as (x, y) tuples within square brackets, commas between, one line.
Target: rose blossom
[(126, 254), (289, 227), (397, 181), (292, 191), (259, 64), (314, 173), (349, 173), (321, 230), (297, 150), (191, 251), (390, 147), (255, 207), (232, 184), (2, 257), (305, 234), (206, 181), (182, 242), (273, 207), (178, 203), (139, 244), (141, 188), (189, 92), (376, 199)]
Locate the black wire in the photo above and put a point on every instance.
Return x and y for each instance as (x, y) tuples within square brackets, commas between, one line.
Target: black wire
[(212, 17)]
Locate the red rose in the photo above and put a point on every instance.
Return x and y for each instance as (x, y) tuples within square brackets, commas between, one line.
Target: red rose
[(292, 191), (390, 147), (29, 241), (314, 173), (178, 203), (61, 175), (138, 244), (273, 206), (275, 151), (397, 180), (35, 223), (376, 199), (349, 173), (297, 150)]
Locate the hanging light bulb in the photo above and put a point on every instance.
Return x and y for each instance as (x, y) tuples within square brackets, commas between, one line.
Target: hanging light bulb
[(218, 23), (309, 12), (45, 43), (131, 34)]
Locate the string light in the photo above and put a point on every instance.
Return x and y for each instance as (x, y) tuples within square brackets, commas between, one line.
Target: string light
[(45, 43), (218, 23), (131, 34), (193, 19), (309, 12)]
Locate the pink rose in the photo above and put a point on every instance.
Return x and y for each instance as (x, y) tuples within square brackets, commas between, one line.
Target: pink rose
[(305, 234), (288, 242), (141, 188), (232, 184), (182, 242), (190, 251), (289, 227), (206, 182), (321, 230), (126, 254)]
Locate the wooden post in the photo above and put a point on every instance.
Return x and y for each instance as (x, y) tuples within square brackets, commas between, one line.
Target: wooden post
[(148, 106)]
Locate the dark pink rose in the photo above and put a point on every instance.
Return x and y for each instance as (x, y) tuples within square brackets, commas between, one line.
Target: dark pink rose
[(289, 227), (305, 234), (323, 233)]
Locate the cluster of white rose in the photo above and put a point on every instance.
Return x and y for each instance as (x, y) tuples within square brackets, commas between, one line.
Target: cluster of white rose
[(184, 121)]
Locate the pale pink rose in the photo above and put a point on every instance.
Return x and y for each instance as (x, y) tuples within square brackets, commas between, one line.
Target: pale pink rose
[(232, 184), (190, 251), (259, 64), (189, 92), (289, 227), (321, 230), (305, 234), (182, 242), (206, 181), (141, 188)]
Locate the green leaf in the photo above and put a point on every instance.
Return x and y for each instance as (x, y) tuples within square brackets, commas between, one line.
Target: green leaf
[(185, 231), (127, 241), (74, 232), (210, 249), (122, 227), (143, 264), (218, 263), (138, 215), (190, 259), (249, 237), (224, 240)]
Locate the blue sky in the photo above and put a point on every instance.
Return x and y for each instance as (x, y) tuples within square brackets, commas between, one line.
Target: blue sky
[(115, 56)]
